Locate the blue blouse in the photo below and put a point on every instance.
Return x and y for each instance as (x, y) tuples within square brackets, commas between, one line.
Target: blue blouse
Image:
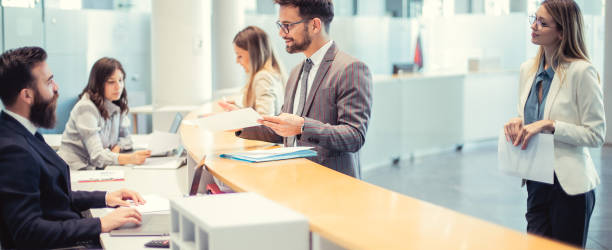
[(534, 110)]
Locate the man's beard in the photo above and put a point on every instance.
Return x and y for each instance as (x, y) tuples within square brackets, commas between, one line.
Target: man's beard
[(42, 112), (299, 47)]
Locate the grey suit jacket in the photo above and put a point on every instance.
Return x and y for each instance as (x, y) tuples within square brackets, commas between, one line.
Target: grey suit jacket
[(336, 112)]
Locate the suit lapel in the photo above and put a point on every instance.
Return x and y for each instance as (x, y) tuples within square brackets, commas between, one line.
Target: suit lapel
[(40, 146), (321, 73), (555, 87), (291, 88)]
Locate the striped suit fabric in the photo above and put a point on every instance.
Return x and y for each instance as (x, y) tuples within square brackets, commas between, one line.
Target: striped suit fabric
[(336, 112)]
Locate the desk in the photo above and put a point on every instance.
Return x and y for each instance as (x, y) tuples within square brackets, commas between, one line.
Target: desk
[(165, 183), (343, 210), (349, 212)]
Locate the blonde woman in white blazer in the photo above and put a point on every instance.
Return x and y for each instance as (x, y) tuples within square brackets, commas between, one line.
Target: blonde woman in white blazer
[(560, 93), (264, 90)]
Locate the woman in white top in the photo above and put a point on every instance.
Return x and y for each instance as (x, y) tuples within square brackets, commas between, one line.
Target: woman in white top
[(98, 127), (264, 90), (560, 93)]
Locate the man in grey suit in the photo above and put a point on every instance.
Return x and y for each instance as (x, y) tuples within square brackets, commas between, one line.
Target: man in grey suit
[(328, 97)]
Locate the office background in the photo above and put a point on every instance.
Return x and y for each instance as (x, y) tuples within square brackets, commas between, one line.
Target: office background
[(472, 50)]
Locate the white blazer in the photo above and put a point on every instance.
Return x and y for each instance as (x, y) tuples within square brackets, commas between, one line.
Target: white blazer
[(575, 104)]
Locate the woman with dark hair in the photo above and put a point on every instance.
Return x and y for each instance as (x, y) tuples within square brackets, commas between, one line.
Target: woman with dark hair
[(560, 93), (98, 128), (264, 90)]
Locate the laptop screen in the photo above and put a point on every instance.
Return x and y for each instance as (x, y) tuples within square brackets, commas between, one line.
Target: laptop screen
[(178, 118)]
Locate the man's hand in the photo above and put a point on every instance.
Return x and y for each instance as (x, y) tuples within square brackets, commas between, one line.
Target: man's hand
[(284, 125), (120, 197), (119, 217)]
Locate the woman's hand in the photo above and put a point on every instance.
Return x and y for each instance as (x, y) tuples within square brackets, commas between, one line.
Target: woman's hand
[(116, 149), (228, 105), (138, 157), (512, 129), (528, 131)]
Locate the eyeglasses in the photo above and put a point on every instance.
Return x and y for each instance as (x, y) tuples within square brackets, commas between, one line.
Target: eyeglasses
[(285, 26), (534, 19)]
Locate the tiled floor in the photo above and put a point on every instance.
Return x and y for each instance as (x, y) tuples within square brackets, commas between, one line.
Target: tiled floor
[(469, 182)]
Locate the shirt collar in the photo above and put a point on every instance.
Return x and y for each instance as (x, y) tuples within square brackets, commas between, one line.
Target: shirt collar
[(317, 57), (24, 121), (550, 72), (111, 107)]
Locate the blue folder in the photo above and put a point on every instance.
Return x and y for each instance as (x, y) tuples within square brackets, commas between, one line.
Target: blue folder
[(248, 157)]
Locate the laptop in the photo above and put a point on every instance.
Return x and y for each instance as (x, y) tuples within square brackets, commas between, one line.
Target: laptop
[(152, 225), (178, 118)]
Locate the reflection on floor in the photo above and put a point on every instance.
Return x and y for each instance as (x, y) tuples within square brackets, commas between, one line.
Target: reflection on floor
[(469, 182)]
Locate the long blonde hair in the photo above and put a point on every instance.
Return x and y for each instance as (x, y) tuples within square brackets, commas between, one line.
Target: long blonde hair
[(568, 19), (261, 57)]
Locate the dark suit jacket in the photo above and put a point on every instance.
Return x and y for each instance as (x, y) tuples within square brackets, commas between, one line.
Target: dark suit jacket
[(336, 112), (38, 209)]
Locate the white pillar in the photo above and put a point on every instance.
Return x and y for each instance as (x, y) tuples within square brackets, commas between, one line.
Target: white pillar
[(180, 52), (180, 56), (607, 72), (227, 20)]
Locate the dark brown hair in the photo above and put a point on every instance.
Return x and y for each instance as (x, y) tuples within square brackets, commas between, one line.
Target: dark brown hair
[(16, 71), (100, 72), (322, 9), (261, 55)]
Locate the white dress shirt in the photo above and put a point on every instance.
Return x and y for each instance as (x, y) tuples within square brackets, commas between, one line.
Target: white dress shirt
[(316, 59), (24, 121)]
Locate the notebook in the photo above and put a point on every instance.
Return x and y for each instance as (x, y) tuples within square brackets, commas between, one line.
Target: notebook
[(271, 154)]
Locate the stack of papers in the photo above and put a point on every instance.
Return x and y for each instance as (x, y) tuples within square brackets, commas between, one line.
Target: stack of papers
[(154, 204), (271, 154), (97, 175)]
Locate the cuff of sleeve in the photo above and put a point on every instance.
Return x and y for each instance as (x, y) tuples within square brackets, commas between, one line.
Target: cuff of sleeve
[(115, 158), (125, 143), (93, 227), (307, 131), (560, 133), (100, 199)]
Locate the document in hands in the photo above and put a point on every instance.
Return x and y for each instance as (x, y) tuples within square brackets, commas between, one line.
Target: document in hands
[(236, 119), (534, 163), (271, 154), (96, 175)]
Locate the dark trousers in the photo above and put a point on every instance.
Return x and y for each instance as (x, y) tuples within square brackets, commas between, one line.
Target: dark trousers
[(554, 214)]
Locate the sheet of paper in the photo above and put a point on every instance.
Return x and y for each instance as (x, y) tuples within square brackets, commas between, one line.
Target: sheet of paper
[(263, 153), (161, 163), (154, 203), (162, 142), (236, 119), (96, 175), (535, 163)]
